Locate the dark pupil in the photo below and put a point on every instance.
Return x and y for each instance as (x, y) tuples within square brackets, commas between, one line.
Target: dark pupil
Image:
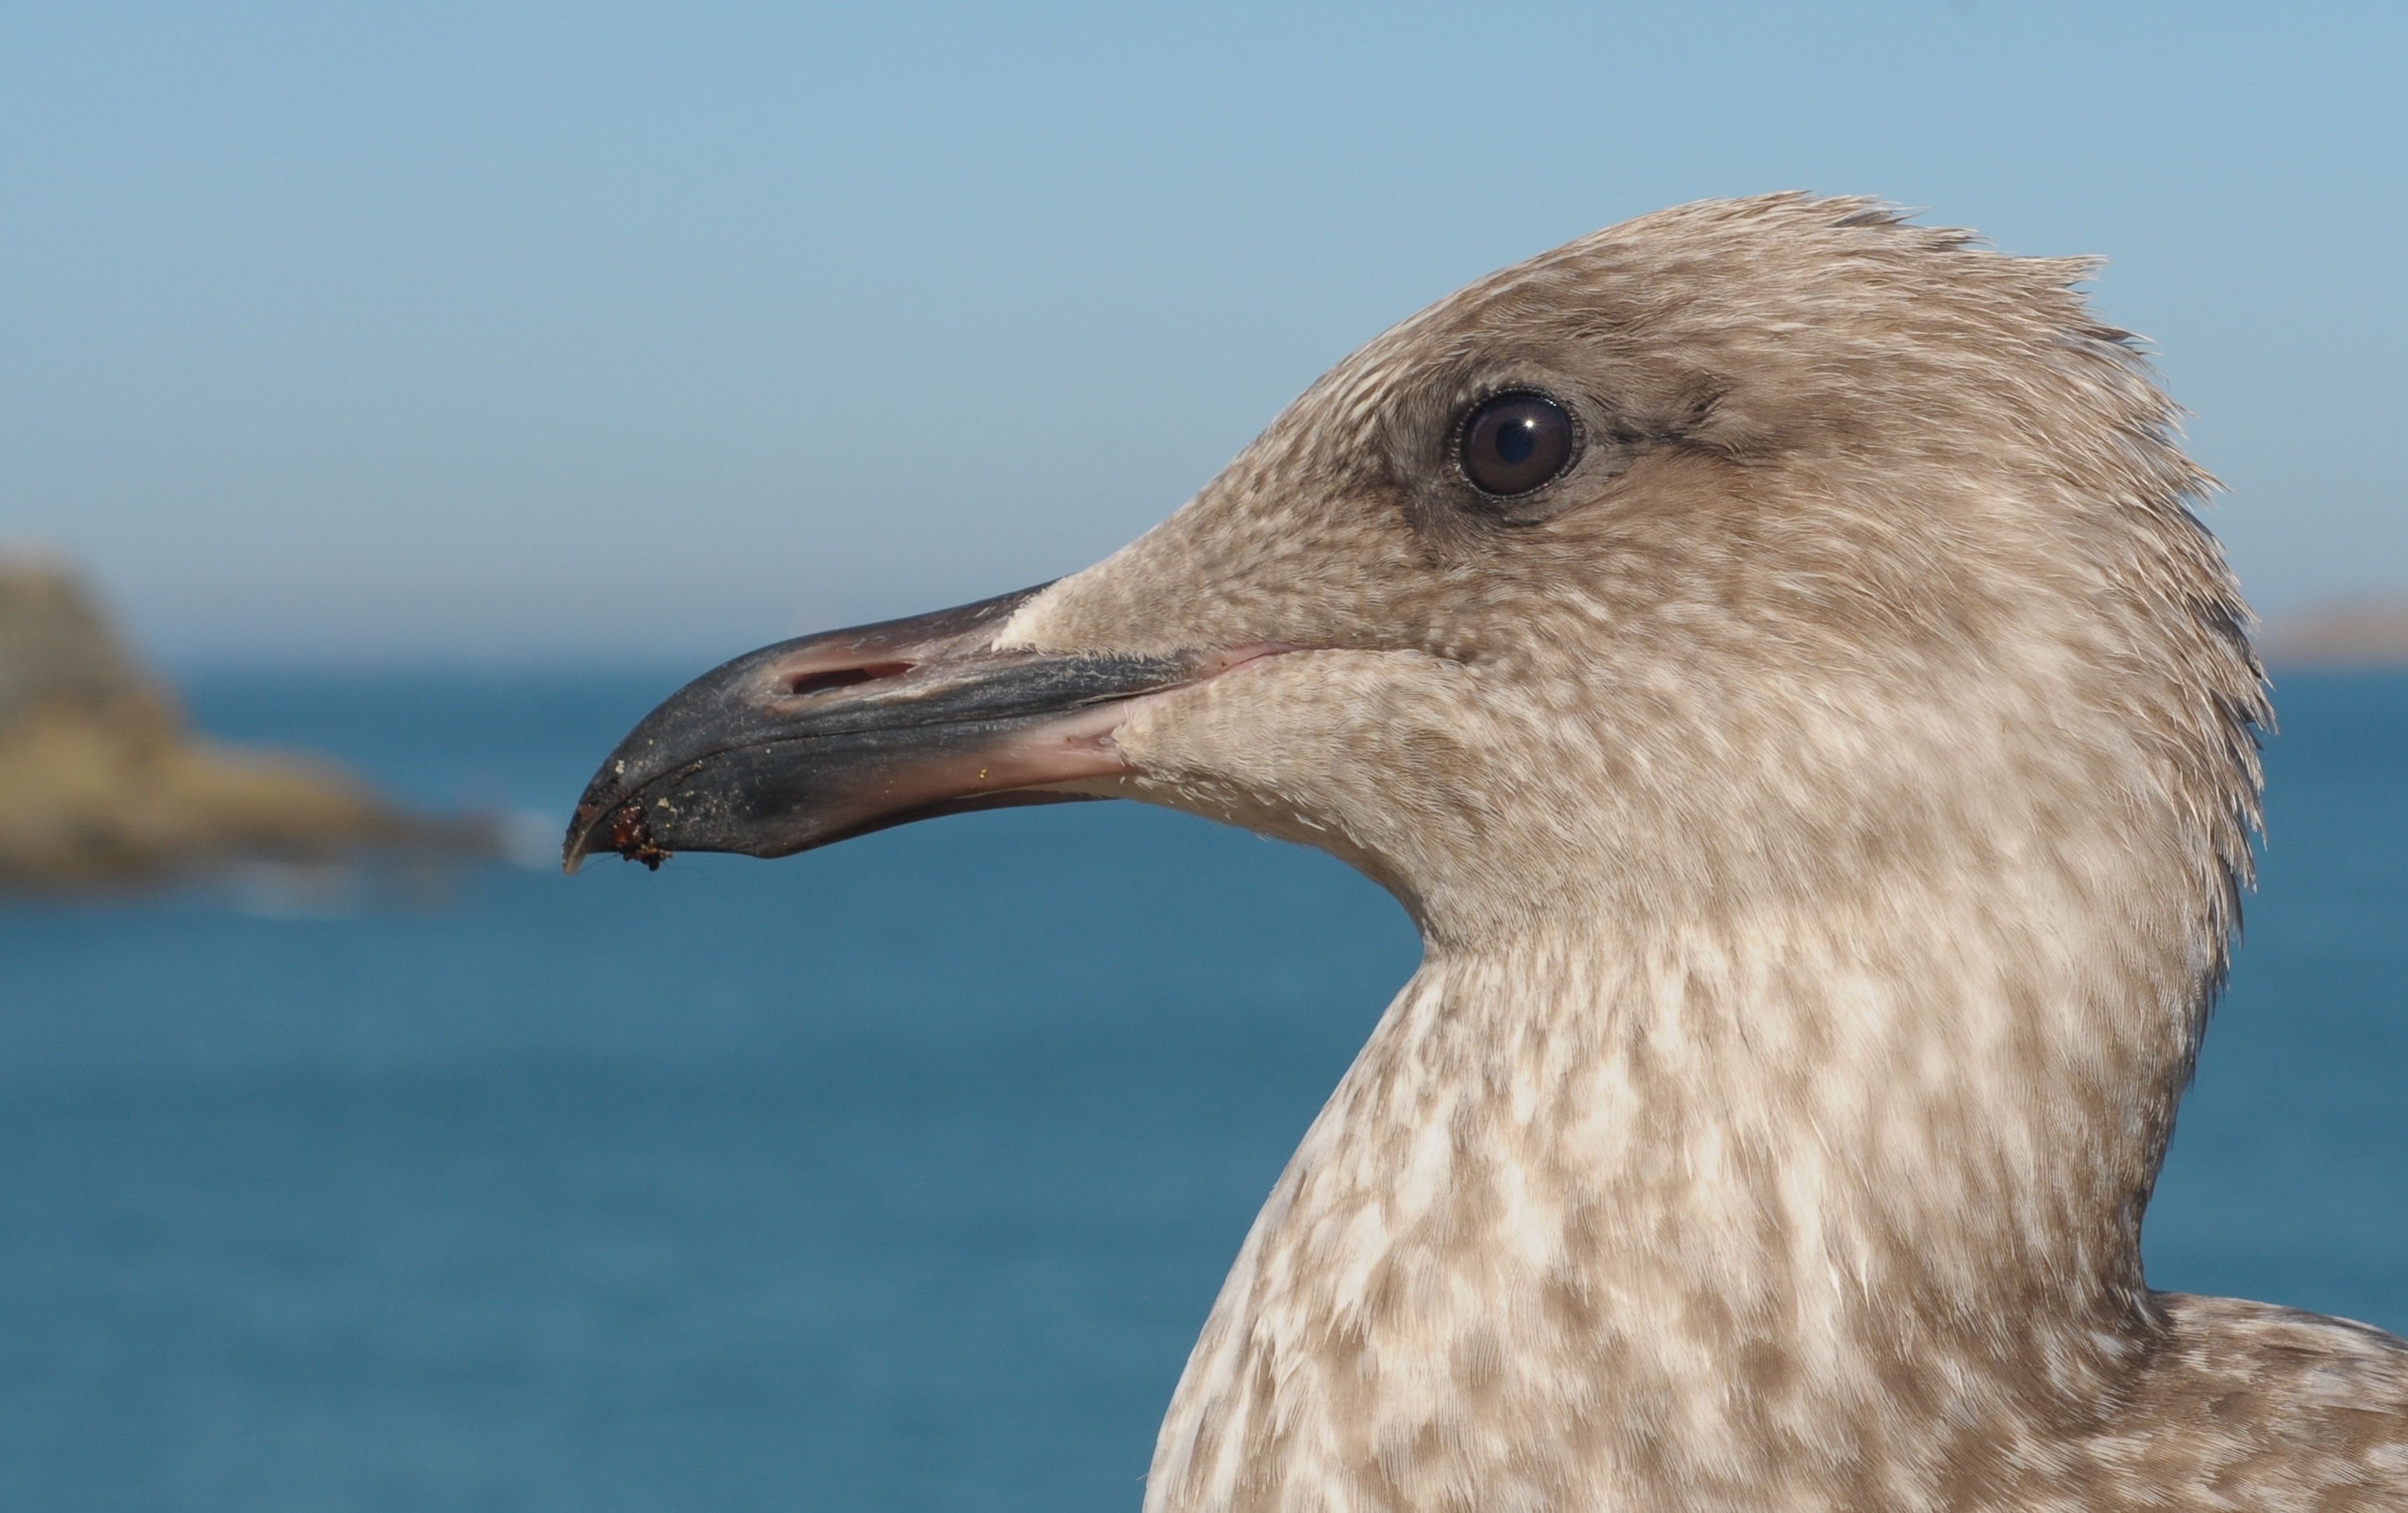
[(1517, 443)]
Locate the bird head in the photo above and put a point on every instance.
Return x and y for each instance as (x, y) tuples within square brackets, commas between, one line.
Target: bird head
[(1745, 550)]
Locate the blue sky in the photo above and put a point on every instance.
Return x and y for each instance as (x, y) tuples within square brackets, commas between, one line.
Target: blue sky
[(509, 333)]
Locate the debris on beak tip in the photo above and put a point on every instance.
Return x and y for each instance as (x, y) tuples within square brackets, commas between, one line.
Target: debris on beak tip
[(624, 831), (633, 839)]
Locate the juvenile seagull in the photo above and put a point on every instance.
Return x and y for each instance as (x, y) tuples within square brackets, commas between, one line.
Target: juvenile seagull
[(1767, 648)]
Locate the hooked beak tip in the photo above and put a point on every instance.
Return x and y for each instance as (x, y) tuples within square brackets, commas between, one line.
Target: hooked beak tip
[(620, 828)]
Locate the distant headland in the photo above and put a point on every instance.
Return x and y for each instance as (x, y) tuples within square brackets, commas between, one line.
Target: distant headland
[(102, 785), (2362, 635)]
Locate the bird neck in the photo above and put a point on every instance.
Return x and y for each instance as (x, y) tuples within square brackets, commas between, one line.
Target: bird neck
[(1793, 1114), (1730, 1189)]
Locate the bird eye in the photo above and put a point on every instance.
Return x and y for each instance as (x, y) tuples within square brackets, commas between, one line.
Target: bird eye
[(1516, 442)]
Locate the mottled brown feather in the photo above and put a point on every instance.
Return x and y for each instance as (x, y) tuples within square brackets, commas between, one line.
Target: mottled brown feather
[(1825, 810)]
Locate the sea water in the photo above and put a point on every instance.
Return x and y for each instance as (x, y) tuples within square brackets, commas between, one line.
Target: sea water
[(894, 1177)]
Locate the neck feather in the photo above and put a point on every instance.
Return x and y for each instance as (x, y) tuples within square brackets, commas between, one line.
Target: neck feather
[(1662, 1202)]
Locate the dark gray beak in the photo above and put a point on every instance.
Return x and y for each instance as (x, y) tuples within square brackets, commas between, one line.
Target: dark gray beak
[(817, 740)]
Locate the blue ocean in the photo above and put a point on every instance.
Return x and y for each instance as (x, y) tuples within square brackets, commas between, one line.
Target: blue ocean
[(897, 1177)]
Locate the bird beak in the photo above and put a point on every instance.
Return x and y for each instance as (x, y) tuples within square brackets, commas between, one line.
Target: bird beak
[(817, 740)]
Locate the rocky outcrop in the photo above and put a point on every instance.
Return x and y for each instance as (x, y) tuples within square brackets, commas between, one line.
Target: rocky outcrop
[(2367, 635), (101, 784)]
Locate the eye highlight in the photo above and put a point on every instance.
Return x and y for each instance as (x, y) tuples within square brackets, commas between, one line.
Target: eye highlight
[(1516, 442)]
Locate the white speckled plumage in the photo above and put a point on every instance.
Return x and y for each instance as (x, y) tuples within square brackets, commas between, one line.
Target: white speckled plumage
[(1824, 809)]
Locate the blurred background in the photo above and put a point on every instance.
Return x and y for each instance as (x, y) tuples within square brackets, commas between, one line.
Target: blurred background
[(430, 389)]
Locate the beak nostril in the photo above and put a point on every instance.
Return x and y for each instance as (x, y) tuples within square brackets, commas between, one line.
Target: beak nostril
[(815, 683)]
